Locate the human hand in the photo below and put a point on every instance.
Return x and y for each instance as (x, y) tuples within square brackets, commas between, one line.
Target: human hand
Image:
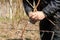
[(38, 15), (33, 21)]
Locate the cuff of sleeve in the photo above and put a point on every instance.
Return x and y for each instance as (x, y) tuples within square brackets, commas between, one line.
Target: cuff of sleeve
[(49, 11), (46, 13)]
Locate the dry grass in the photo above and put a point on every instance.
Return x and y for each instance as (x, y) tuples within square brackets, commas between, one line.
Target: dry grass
[(12, 28)]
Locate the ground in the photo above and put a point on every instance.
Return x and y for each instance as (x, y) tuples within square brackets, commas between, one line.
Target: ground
[(14, 31), (12, 28)]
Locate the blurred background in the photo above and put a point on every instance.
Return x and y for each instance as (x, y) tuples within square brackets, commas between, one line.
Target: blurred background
[(13, 19)]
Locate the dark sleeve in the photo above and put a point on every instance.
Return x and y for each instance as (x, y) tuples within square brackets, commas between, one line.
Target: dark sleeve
[(52, 7), (27, 7)]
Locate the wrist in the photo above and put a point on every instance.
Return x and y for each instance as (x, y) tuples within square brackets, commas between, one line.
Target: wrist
[(44, 14)]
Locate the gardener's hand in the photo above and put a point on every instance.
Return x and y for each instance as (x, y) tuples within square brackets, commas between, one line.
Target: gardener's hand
[(38, 15)]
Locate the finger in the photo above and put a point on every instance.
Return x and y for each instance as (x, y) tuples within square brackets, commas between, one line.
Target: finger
[(30, 14), (34, 16)]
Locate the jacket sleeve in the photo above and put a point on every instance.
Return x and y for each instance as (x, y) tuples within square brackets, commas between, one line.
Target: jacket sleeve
[(52, 7), (27, 7)]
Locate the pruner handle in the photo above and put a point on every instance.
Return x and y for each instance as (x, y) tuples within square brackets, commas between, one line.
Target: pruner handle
[(31, 20), (35, 9)]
